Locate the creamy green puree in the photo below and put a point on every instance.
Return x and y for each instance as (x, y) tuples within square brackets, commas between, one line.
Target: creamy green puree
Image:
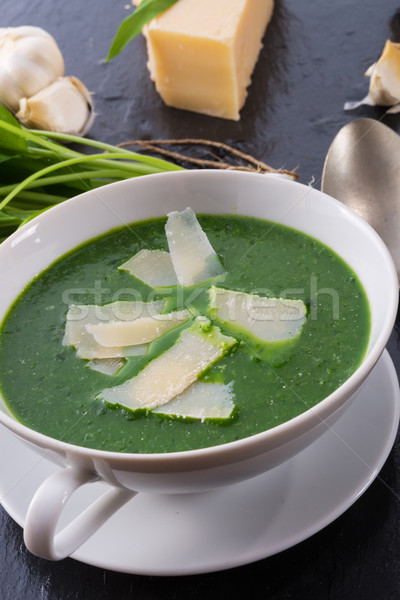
[(50, 389)]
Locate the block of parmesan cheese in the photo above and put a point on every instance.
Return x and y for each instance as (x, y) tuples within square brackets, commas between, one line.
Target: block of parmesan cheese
[(202, 53)]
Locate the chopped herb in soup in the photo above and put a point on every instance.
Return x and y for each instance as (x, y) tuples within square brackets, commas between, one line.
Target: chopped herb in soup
[(181, 333)]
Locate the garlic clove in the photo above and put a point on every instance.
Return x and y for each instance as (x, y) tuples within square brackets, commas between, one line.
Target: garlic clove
[(29, 61), (384, 88), (10, 93), (65, 106)]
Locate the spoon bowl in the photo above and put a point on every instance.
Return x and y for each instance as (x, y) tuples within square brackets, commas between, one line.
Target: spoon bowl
[(362, 170)]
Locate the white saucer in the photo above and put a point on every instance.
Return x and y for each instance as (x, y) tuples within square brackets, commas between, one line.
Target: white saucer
[(199, 533)]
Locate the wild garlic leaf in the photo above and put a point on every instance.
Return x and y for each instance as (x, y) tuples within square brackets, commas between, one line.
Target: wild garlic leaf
[(133, 25), (7, 157), (6, 219), (9, 140)]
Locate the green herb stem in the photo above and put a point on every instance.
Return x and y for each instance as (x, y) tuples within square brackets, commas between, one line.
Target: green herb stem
[(150, 160), (32, 137), (34, 161), (131, 169), (108, 176), (39, 137)]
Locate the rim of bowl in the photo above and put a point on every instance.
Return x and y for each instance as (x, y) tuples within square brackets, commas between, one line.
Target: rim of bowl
[(330, 404)]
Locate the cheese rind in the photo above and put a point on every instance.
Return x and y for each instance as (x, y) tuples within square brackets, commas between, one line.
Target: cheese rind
[(202, 54)]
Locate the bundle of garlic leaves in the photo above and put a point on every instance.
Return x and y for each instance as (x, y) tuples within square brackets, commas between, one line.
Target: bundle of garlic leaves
[(37, 173)]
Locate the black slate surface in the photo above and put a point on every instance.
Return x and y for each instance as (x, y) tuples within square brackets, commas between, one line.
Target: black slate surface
[(313, 60)]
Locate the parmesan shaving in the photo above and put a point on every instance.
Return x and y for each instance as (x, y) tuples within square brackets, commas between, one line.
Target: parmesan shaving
[(172, 372), (107, 366), (201, 400), (79, 317), (153, 267), (268, 319), (193, 257), (140, 331)]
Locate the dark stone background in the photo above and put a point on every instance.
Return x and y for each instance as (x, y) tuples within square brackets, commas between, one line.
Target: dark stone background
[(314, 57)]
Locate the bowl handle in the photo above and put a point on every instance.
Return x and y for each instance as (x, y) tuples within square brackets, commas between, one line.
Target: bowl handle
[(47, 506)]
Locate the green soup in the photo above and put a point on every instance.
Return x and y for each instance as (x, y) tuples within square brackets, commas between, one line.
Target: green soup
[(50, 389)]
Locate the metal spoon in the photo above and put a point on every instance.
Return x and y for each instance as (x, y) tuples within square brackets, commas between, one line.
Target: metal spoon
[(362, 170)]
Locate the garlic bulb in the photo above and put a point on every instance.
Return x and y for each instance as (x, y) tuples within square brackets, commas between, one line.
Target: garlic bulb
[(29, 61), (65, 106), (384, 87)]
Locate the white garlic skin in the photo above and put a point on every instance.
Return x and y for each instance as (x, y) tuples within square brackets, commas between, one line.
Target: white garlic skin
[(30, 60), (65, 106), (384, 87)]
